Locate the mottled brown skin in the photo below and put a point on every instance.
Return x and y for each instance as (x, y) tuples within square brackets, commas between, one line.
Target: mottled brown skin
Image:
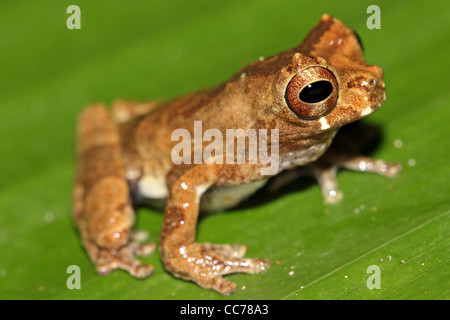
[(117, 152)]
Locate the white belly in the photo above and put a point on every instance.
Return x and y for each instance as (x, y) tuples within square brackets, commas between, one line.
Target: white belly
[(153, 191)]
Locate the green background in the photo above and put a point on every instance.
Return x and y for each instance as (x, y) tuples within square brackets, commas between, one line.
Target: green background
[(160, 49)]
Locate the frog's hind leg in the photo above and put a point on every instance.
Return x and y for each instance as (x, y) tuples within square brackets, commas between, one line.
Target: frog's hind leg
[(124, 111), (102, 206)]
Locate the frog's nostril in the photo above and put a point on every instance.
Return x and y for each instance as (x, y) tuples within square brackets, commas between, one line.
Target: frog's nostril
[(375, 84)]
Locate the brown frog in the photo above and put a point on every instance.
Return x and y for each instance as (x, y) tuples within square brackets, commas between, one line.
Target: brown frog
[(297, 99)]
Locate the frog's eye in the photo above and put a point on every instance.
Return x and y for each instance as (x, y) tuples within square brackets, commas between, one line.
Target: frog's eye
[(312, 93)]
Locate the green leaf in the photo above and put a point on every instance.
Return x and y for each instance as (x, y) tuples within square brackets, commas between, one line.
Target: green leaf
[(160, 49)]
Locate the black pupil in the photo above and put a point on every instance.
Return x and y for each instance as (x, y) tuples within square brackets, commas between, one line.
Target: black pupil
[(316, 91)]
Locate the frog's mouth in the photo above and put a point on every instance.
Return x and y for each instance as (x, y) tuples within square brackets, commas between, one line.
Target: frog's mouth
[(368, 110)]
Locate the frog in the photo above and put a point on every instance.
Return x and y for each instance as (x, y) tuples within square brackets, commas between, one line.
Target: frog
[(302, 96)]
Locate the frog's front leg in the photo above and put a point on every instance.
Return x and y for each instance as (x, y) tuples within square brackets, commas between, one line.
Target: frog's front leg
[(203, 263), (326, 167), (102, 206)]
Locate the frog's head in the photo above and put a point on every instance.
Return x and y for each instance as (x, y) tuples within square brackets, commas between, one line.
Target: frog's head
[(327, 82)]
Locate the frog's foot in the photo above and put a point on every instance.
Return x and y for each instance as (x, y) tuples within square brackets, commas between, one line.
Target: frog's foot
[(106, 229), (325, 174), (366, 164), (107, 260), (206, 263), (137, 244)]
